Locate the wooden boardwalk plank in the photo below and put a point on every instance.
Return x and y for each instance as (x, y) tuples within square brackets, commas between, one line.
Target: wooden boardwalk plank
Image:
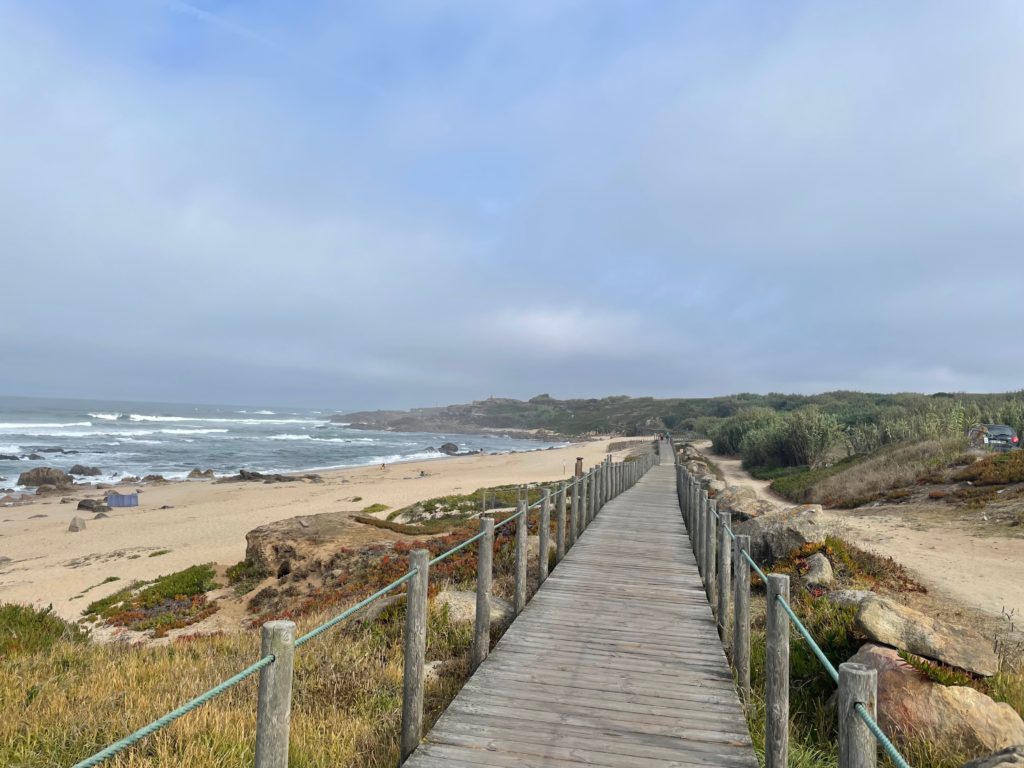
[(615, 662)]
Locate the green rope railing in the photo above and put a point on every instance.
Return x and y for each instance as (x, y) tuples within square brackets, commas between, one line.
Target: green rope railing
[(217, 690), (819, 654)]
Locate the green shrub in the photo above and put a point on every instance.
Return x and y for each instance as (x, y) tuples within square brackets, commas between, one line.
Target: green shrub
[(998, 469), (374, 508), (31, 630)]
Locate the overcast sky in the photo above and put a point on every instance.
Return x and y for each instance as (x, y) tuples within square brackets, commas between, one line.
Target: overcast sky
[(400, 203)]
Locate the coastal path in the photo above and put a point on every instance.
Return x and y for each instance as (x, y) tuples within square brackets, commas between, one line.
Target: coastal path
[(616, 661)]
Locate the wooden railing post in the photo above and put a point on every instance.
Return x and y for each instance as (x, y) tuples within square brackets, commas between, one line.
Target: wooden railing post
[(560, 525), (521, 556), (415, 652), (574, 517), (702, 524), (776, 694), (484, 571), (858, 684), (741, 617), (274, 699), (724, 574), (544, 535), (710, 545)]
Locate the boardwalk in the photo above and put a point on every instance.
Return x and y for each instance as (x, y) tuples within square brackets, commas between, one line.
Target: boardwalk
[(615, 661)]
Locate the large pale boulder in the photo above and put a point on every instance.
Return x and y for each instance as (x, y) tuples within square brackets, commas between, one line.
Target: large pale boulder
[(742, 502), (45, 476), (1011, 757), (819, 570), (462, 607), (848, 597), (77, 524), (774, 536), (893, 624), (912, 707)]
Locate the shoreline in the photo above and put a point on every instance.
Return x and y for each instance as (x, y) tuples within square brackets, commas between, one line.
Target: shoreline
[(203, 521)]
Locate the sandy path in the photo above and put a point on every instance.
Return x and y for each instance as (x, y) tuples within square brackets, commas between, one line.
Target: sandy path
[(983, 571), (207, 522)]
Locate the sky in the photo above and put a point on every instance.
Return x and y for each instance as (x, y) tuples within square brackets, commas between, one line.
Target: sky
[(419, 202)]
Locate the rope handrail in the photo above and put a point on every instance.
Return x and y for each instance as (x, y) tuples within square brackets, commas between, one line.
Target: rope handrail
[(265, 661), (817, 651)]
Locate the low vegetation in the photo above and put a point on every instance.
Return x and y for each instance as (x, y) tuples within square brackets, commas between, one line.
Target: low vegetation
[(244, 576), (169, 602), (25, 630), (998, 469), (374, 509)]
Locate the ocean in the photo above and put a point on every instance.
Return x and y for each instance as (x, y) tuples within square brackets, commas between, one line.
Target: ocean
[(132, 438)]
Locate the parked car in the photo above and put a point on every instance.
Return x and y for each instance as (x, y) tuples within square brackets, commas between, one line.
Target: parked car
[(995, 437)]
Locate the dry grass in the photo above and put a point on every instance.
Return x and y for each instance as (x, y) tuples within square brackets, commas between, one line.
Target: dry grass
[(888, 469)]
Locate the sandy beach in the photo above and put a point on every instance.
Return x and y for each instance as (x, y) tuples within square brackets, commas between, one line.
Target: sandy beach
[(207, 522)]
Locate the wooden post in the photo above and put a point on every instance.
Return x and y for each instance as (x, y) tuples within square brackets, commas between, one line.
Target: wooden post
[(741, 617), (584, 494), (521, 554), (592, 494), (484, 571), (858, 684), (560, 525), (274, 700), (710, 547), (545, 535), (574, 520), (415, 652), (702, 521), (776, 689), (724, 575)]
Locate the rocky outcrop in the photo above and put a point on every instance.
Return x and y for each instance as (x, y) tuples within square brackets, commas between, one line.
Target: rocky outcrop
[(199, 474), (462, 608), (45, 476), (910, 706), (1011, 757), (774, 536), (892, 624), (77, 524), (848, 597), (819, 570), (154, 479), (90, 504), (742, 503), (449, 448), (84, 471), (247, 476)]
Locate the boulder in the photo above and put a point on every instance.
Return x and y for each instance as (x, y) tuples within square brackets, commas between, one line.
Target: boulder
[(462, 608), (450, 448), (819, 570), (45, 488), (849, 597), (77, 524), (100, 516), (197, 474), (716, 487), (35, 457), (90, 504), (84, 471), (67, 500), (154, 479), (4, 560), (955, 717), (893, 624), (45, 476), (742, 503), (774, 536), (1011, 757)]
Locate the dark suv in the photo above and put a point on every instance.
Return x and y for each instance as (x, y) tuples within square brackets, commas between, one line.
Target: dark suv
[(996, 437)]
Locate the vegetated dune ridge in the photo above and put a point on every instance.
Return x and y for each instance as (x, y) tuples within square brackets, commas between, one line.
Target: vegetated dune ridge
[(206, 522), (981, 570)]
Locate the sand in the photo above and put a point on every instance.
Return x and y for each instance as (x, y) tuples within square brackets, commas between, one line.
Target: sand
[(207, 522), (952, 559)]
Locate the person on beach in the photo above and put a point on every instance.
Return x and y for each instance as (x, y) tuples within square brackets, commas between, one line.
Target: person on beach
[(383, 465)]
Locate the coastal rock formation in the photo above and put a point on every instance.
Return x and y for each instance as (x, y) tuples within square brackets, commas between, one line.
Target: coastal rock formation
[(90, 504), (45, 476), (774, 536), (892, 624), (912, 706), (462, 608), (742, 502), (84, 471), (77, 524), (245, 475), (450, 448), (198, 473), (849, 597), (1011, 757), (819, 570), (154, 479)]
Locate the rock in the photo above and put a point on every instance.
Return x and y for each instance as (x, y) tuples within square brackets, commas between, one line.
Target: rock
[(197, 473), (45, 488), (849, 597), (166, 506), (77, 524), (742, 503), (129, 479), (36, 517), (450, 448), (462, 608), (154, 479), (35, 457), (100, 508), (100, 516), (90, 504), (433, 671), (4, 560), (774, 536), (887, 622), (103, 486), (819, 570), (954, 717), (8, 457), (717, 486), (1011, 757), (45, 476), (81, 469), (67, 500)]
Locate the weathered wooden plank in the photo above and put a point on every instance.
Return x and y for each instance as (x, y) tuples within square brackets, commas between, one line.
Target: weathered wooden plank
[(615, 662)]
